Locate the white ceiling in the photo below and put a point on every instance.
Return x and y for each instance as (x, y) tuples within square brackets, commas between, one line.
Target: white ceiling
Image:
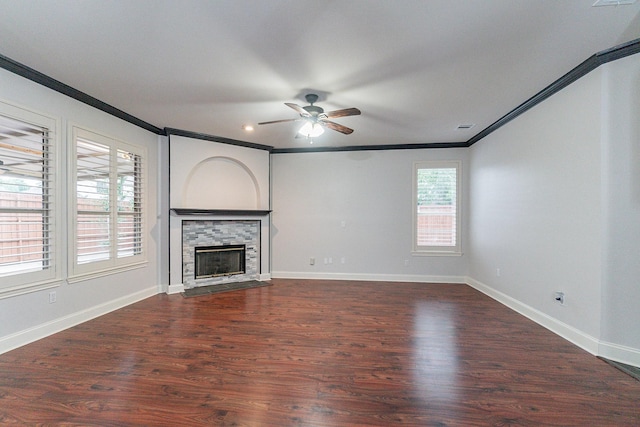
[(415, 68)]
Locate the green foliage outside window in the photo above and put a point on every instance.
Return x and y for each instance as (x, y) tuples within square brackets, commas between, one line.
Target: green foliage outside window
[(436, 186)]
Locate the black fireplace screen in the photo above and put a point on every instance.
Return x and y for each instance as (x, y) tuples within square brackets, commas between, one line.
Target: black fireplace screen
[(213, 261)]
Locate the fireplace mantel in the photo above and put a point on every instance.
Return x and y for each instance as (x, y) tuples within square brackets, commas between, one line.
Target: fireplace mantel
[(219, 212)]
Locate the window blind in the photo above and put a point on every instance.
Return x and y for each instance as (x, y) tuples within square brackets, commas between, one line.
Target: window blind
[(27, 224), (93, 201), (109, 182), (129, 213), (436, 213)]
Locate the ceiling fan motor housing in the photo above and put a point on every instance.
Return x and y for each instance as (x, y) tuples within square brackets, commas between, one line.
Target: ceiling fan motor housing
[(312, 109), (311, 98)]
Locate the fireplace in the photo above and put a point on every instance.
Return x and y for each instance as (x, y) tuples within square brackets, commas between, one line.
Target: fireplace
[(217, 251), (214, 261), (219, 195)]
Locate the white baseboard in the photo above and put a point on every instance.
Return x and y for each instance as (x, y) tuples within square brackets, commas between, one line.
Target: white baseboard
[(616, 352), (264, 277), (35, 333), (619, 353), (577, 337), (175, 289), (368, 277)]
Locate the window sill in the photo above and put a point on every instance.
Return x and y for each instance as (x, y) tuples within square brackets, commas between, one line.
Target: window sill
[(435, 253), (17, 290), (81, 277)]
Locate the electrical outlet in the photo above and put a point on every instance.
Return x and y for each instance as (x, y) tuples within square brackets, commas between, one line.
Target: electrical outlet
[(52, 297), (406, 262), (312, 261), (343, 260)]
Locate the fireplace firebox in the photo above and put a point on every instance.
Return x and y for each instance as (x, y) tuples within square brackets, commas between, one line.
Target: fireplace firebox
[(216, 261)]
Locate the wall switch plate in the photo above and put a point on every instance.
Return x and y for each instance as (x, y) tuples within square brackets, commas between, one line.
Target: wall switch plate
[(559, 297), (312, 261)]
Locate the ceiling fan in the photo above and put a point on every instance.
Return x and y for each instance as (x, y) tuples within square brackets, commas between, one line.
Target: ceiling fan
[(316, 119)]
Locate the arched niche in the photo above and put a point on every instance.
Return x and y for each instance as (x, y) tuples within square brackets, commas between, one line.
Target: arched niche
[(221, 183)]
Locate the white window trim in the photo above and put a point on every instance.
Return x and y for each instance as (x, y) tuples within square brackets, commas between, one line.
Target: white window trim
[(437, 250), (27, 282), (81, 272)]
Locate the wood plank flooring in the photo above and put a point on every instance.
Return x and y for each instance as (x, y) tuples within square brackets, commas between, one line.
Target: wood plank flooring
[(314, 353)]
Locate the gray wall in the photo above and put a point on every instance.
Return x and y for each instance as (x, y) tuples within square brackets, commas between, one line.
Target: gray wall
[(621, 187), (354, 207), (552, 201), (28, 317), (536, 207), (555, 203)]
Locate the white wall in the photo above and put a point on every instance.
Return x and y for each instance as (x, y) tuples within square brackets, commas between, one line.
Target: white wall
[(28, 317), (212, 175), (355, 206), (555, 204), (536, 209), (163, 212), (552, 199), (621, 184)]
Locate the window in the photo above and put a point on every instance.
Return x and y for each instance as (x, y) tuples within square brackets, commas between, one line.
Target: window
[(27, 200), (108, 203), (436, 208)]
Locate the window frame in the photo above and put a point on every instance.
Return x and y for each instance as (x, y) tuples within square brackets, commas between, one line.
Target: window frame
[(423, 250), (86, 270), (30, 281)]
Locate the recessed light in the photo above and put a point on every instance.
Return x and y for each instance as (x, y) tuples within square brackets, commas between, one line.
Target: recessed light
[(247, 128), (465, 126)]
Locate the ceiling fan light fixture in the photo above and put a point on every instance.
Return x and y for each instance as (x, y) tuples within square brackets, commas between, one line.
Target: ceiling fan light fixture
[(311, 130)]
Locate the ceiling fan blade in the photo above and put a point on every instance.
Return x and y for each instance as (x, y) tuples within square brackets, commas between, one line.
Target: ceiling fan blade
[(299, 109), (337, 127), (343, 113), (279, 121)]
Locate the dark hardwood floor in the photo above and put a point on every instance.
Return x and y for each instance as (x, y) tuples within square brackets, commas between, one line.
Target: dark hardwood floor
[(314, 353)]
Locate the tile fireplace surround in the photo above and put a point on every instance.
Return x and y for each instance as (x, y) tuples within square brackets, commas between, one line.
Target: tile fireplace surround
[(197, 233), (213, 228)]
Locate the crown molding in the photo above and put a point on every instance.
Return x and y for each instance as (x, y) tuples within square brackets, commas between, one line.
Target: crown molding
[(213, 138), (53, 84), (617, 52), (320, 149), (588, 65)]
